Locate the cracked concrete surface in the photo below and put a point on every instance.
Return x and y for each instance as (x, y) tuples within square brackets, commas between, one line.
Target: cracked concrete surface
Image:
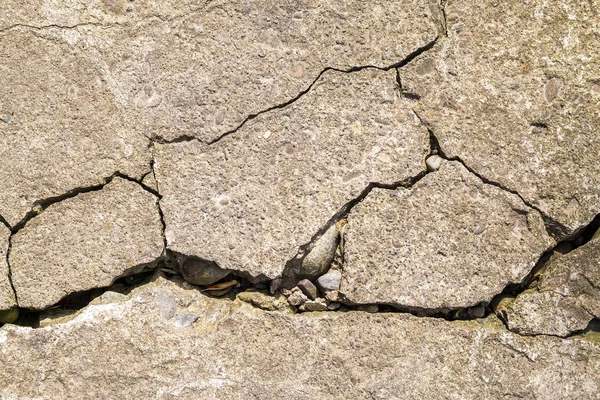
[(255, 143)]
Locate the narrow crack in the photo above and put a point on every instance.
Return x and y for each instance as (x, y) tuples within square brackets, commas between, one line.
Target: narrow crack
[(4, 222), (554, 228), (402, 63)]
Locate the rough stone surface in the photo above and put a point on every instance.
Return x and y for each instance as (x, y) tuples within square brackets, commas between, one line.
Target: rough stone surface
[(66, 130), (517, 88), (85, 242), (415, 358), (7, 296), (202, 74), (250, 201), (566, 298), (450, 241)]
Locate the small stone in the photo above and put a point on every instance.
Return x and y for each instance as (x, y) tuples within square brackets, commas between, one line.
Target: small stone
[(275, 285), (479, 311), (308, 288), (9, 316), (316, 305), (167, 305), (320, 257), (183, 320), (433, 163), (333, 296), (333, 306), (6, 118), (286, 292), (264, 302), (201, 272), (330, 281), (370, 308), (297, 299)]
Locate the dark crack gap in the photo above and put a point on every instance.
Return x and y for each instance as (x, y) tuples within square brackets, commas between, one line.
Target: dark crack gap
[(554, 229), (160, 211), (402, 63)]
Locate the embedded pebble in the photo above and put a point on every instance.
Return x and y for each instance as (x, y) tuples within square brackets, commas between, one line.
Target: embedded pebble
[(316, 305), (183, 320), (433, 163), (478, 311), (297, 299), (330, 281)]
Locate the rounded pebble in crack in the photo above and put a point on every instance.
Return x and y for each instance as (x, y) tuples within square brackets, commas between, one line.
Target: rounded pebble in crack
[(433, 163), (201, 272), (184, 320), (330, 281), (9, 316), (308, 288), (479, 311), (333, 306)]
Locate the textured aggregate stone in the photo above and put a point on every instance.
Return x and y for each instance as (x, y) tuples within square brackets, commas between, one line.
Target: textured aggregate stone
[(128, 350), (66, 129), (249, 201), (449, 241), (514, 92), (85, 242), (566, 298)]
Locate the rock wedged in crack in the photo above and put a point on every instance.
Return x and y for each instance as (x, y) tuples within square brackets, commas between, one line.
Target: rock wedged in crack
[(450, 241), (127, 349), (514, 92), (85, 242), (202, 75), (65, 129), (251, 200), (564, 301), (7, 296)]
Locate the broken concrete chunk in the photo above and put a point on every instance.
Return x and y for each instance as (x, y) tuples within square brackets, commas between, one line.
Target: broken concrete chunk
[(265, 302), (85, 242), (297, 299), (316, 305), (200, 272), (564, 301), (212, 69), (67, 131), (231, 342), (450, 241), (250, 201), (7, 296), (516, 97)]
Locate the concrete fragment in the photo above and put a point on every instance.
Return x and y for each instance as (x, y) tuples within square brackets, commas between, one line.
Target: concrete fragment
[(7, 295), (565, 300), (330, 281), (308, 288), (85, 242), (212, 69), (365, 355), (316, 305), (450, 241), (524, 121), (297, 299), (249, 203), (265, 302), (67, 129)]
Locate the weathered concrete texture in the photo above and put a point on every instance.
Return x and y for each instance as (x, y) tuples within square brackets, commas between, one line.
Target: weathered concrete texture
[(128, 349), (251, 200), (69, 13), (514, 92), (565, 300), (85, 242), (202, 75), (7, 296), (449, 241), (60, 127)]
